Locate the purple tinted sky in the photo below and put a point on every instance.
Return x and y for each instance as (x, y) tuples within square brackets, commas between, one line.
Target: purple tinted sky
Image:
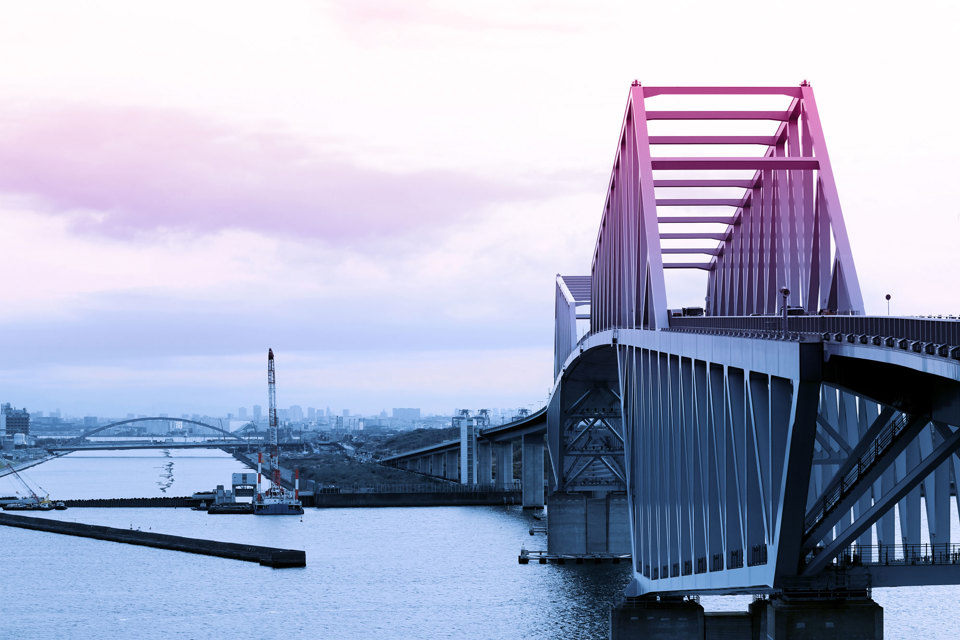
[(383, 191)]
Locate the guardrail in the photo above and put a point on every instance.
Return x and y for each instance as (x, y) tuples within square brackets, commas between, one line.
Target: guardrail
[(930, 336), (887, 436), (900, 555)]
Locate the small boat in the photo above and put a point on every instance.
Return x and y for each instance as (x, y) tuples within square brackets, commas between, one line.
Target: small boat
[(59, 506), (200, 507), (275, 501)]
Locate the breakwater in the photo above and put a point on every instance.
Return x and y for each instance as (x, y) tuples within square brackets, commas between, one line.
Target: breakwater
[(266, 556), (132, 503)]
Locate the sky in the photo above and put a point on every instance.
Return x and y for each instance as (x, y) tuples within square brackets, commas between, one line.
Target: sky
[(383, 192)]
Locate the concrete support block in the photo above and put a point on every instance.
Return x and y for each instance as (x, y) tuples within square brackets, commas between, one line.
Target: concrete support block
[(504, 465), (484, 463), (567, 523), (532, 471), (823, 620), (580, 523), (653, 620), (618, 524), (452, 465)]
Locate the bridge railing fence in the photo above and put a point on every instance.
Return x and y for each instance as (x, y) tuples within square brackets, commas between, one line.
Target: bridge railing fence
[(935, 336), (900, 555), (841, 487)]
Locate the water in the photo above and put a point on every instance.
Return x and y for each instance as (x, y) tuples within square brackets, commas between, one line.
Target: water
[(438, 572)]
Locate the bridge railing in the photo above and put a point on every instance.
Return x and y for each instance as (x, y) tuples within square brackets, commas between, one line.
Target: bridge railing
[(842, 486), (900, 555), (933, 336)]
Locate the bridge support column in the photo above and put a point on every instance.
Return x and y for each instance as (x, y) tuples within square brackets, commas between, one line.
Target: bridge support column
[(504, 465), (531, 471), (637, 619), (451, 466), (484, 463), (776, 619), (580, 523)]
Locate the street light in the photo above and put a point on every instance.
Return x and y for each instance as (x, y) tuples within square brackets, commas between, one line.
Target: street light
[(888, 303), (784, 292)]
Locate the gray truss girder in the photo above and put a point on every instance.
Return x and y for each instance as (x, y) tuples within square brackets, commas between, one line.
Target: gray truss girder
[(910, 480), (710, 445)]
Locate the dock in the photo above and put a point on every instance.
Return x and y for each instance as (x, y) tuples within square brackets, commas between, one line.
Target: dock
[(265, 556), (543, 557)]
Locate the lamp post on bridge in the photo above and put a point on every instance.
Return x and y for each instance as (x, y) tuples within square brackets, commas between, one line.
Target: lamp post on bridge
[(784, 292), (888, 303)]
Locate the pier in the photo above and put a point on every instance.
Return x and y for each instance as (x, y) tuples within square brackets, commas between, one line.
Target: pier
[(266, 556)]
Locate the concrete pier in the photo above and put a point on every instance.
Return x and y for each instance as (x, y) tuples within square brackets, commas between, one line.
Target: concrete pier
[(638, 619), (451, 465), (532, 470), (579, 523), (267, 556), (504, 464), (484, 463), (775, 619)]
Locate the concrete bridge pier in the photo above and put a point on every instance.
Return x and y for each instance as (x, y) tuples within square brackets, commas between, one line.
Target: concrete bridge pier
[(436, 465), (674, 618), (532, 470), (504, 465), (451, 465), (484, 463), (581, 523)]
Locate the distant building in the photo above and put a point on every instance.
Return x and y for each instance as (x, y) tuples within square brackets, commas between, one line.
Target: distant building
[(90, 421), (406, 415), (295, 413), (257, 412), (242, 413), (346, 413), (13, 421), (311, 414)]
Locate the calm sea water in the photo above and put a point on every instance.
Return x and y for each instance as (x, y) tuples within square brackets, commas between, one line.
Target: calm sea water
[(441, 572)]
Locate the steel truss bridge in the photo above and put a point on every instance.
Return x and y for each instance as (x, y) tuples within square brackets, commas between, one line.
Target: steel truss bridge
[(757, 452)]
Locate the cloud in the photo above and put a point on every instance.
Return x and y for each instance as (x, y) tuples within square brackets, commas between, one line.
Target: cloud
[(121, 171)]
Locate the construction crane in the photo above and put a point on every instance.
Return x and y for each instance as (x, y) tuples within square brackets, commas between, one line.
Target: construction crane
[(274, 431), (43, 502), (275, 501)]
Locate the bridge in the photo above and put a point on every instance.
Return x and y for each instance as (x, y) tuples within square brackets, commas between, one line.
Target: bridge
[(484, 456), (80, 443), (774, 441)]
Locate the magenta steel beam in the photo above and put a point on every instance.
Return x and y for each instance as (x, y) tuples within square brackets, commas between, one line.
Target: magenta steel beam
[(693, 236), (793, 92), (846, 285), (695, 182), (718, 115), (706, 266), (697, 219), (700, 202), (758, 140), (686, 250), (735, 163)]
